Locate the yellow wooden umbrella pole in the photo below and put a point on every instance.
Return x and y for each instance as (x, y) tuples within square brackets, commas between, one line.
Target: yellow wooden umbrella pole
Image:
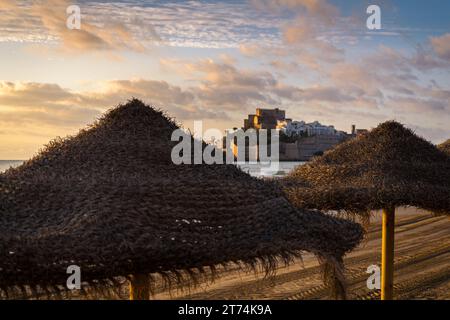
[(139, 287), (387, 254)]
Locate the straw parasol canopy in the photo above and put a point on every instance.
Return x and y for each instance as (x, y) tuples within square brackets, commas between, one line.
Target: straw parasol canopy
[(111, 201), (445, 146), (384, 169), (390, 166)]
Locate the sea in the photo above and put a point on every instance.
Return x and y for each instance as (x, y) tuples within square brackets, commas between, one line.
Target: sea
[(275, 169)]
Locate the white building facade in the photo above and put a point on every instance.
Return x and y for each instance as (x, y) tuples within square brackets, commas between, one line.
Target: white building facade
[(301, 128)]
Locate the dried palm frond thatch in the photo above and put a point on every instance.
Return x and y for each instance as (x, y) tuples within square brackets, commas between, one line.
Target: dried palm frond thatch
[(390, 166), (111, 201)]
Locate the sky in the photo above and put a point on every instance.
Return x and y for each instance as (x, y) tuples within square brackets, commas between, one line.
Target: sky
[(218, 61)]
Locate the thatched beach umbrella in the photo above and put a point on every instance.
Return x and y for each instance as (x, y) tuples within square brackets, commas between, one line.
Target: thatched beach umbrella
[(111, 201), (384, 169), (445, 146)]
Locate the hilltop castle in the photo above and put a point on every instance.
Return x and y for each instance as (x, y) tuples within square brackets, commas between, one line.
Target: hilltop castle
[(299, 141)]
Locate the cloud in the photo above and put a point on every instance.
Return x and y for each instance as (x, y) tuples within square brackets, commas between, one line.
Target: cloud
[(160, 92), (180, 103), (53, 105), (441, 46), (108, 25), (300, 31), (308, 32), (41, 103), (311, 17), (356, 79), (225, 86), (385, 71), (222, 84), (34, 113), (382, 82), (112, 36), (419, 105), (312, 94), (31, 114), (45, 21), (6, 4), (320, 9), (424, 60), (249, 50), (27, 94), (326, 94)]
